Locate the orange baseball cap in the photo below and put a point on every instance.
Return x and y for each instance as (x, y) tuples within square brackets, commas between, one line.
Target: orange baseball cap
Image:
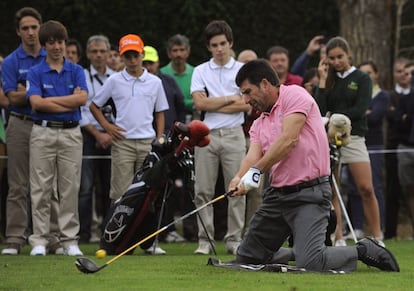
[(131, 42)]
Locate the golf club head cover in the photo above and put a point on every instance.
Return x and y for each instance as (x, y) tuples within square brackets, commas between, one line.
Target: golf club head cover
[(339, 129), (251, 180), (198, 130)]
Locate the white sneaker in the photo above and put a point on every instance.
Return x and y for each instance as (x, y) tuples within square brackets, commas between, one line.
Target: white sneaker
[(72, 250), (155, 251), (340, 243), (11, 250), (380, 242), (358, 233), (38, 251), (204, 248), (173, 237)]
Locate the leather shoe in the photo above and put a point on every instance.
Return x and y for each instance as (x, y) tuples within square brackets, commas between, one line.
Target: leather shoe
[(373, 254)]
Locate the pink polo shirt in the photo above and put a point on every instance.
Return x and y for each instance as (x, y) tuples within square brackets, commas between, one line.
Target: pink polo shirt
[(310, 158)]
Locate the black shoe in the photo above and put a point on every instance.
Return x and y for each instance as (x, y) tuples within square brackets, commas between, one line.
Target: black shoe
[(372, 254)]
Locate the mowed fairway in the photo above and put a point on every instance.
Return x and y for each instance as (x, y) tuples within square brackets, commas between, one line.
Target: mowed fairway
[(180, 269)]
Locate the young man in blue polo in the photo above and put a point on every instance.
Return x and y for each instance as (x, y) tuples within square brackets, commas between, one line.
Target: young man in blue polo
[(56, 88)]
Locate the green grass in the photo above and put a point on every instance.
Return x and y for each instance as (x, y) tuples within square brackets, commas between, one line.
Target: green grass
[(180, 269)]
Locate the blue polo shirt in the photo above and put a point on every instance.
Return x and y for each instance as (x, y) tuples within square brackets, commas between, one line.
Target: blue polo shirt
[(14, 70), (44, 81)]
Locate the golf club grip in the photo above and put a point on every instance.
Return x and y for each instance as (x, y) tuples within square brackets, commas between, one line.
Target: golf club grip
[(157, 232)]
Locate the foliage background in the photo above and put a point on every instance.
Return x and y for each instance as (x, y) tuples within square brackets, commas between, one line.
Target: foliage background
[(256, 24)]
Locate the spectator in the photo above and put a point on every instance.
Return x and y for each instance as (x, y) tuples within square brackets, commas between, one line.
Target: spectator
[(311, 80), (114, 59), (138, 96), (317, 43), (404, 117), (345, 89), (55, 140), (246, 56), (14, 70), (214, 92), (279, 59), (178, 51), (96, 142), (374, 139), (283, 140), (393, 192), (73, 51)]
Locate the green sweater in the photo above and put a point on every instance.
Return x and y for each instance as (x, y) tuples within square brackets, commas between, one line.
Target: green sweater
[(350, 96)]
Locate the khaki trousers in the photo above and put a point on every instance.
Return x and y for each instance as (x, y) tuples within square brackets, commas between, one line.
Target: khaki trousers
[(55, 151), (127, 157), (227, 147)]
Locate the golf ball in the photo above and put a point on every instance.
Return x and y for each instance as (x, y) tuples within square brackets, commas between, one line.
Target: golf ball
[(100, 254)]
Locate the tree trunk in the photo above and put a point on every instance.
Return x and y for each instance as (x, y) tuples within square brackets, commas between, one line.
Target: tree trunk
[(366, 24)]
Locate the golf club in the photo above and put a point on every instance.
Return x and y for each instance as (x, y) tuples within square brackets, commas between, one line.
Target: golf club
[(88, 266), (344, 211)]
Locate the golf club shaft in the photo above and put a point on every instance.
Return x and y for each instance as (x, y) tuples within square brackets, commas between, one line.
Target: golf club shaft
[(341, 202), (167, 226)]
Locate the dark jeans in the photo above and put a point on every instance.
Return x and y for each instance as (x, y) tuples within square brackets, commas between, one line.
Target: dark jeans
[(95, 178)]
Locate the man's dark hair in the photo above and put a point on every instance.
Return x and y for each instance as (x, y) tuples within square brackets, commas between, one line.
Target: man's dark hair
[(178, 39), (26, 11), (218, 27), (52, 30), (276, 50), (77, 44), (255, 71)]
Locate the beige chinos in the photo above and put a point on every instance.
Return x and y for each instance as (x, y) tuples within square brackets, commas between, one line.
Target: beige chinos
[(55, 151)]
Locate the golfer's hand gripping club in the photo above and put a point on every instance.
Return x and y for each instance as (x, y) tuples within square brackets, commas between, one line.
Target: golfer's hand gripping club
[(251, 180)]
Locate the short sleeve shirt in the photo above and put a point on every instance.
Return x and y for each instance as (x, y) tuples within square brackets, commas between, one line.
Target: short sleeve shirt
[(44, 81), (309, 159), (14, 71), (136, 100), (218, 81)]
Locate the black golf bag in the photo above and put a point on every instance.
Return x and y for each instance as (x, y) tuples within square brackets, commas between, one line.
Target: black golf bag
[(135, 214)]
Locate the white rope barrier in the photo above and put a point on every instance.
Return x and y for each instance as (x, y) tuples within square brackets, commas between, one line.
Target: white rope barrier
[(369, 151)]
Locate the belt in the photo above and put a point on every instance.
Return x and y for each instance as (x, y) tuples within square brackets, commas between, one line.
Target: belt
[(57, 124), (21, 116), (300, 186), (223, 131)]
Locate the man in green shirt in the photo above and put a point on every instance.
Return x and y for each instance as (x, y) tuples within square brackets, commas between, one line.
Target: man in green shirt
[(178, 51)]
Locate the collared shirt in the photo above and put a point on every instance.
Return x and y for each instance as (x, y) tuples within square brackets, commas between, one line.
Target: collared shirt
[(346, 73), (309, 159), (401, 90), (14, 71), (218, 81), (183, 81), (94, 82), (47, 82), (136, 99)]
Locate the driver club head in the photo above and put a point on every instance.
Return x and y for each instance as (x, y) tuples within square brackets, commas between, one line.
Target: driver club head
[(87, 266)]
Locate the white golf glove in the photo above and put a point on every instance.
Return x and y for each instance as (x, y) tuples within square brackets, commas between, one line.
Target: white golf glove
[(251, 180)]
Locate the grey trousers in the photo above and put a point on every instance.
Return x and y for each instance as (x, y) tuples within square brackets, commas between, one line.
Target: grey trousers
[(304, 214)]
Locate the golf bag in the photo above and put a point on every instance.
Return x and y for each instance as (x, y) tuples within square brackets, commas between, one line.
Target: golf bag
[(134, 215)]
